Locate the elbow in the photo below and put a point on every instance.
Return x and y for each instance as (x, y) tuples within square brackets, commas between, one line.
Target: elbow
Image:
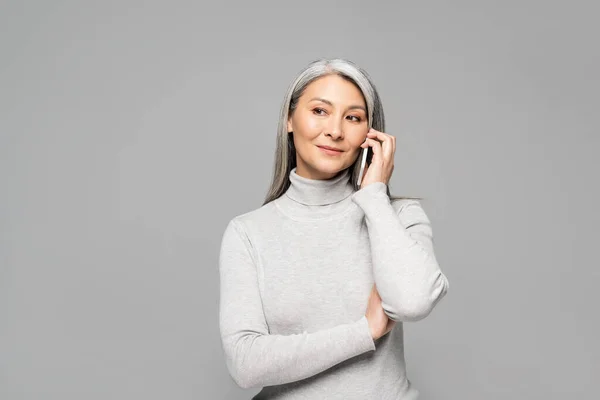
[(240, 366), (241, 378), (244, 381), (412, 313), (241, 375), (419, 306)]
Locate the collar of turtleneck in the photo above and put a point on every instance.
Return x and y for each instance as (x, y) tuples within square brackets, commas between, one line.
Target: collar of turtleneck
[(319, 192), (314, 199)]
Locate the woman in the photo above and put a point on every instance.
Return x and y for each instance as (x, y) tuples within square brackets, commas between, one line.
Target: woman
[(316, 283)]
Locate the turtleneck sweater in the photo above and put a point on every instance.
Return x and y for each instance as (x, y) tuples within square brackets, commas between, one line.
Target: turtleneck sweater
[(295, 279)]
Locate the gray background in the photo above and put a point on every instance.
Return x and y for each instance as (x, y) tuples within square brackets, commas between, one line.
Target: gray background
[(132, 132)]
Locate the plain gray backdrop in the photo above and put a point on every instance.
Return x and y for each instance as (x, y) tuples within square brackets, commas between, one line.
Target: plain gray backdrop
[(131, 132)]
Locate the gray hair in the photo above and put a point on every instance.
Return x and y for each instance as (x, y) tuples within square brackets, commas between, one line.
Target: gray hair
[(285, 153)]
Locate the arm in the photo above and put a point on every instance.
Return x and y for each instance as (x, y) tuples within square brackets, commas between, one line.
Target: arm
[(407, 275), (254, 357)]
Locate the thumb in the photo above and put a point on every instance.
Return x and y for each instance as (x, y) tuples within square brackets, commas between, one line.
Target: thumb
[(391, 323)]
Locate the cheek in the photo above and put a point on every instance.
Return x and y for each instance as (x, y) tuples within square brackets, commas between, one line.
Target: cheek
[(307, 129), (357, 137), (311, 125)]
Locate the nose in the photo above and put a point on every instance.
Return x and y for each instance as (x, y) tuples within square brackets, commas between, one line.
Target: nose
[(334, 129)]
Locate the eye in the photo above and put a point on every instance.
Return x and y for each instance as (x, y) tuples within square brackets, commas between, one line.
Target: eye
[(317, 110), (357, 118)]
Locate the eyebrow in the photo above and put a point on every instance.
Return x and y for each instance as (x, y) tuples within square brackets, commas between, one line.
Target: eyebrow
[(331, 104)]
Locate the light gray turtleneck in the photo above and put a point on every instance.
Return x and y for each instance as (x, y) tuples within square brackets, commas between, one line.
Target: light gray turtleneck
[(295, 279)]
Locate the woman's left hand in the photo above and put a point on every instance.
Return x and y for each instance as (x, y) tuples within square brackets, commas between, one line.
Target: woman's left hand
[(382, 163)]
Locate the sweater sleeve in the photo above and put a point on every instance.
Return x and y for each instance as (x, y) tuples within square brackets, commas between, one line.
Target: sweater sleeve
[(406, 272), (255, 357)]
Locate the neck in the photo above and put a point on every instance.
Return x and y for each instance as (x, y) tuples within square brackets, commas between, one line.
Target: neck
[(319, 192)]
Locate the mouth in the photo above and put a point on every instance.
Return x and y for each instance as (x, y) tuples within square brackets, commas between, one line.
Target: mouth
[(330, 150)]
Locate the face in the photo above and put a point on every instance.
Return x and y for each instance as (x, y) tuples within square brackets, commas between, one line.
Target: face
[(331, 112)]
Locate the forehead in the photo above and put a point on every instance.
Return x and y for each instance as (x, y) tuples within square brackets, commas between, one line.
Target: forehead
[(335, 89)]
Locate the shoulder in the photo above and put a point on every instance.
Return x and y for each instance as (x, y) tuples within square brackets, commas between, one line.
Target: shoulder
[(259, 215), (245, 222)]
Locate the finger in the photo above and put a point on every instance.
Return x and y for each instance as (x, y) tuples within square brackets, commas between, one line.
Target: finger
[(370, 142), (376, 293), (388, 142), (380, 135), (376, 146), (373, 130), (390, 325)]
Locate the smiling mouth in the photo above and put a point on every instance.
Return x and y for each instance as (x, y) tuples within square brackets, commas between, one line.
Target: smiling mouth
[(330, 152), (329, 148)]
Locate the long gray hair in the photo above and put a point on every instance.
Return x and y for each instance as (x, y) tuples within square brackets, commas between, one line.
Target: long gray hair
[(285, 153)]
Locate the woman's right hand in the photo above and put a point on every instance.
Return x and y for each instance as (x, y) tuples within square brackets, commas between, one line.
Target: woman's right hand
[(379, 322)]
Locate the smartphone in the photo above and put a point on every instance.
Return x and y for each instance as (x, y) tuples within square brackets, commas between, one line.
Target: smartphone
[(367, 156)]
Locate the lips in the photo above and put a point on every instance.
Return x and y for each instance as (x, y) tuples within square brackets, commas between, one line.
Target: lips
[(329, 152), (330, 148)]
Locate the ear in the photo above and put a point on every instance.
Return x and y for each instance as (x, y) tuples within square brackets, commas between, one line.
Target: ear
[(289, 125)]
